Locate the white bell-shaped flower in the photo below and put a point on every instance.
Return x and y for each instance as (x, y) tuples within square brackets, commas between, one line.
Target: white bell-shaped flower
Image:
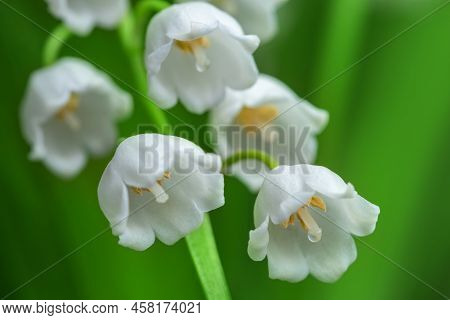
[(81, 16), (269, 117), (159, 186), (195, 51), (304, 217), (69, 111), (255, 16)]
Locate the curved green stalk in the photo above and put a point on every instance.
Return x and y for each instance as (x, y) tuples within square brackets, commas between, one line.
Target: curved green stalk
[(250, 154), (201, 243), (54, 43)]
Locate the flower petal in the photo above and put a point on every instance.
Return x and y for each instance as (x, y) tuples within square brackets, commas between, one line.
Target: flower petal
[(204, 189), (108, 13), (356, 215), (138, 233), (329, 258), (324, 181), (259, 241), (231, 54), (98, 131), (60, 149), (198, 91), (113, 199), (82, 15), (175, 218), (258, 17), (285, 255), (283, 193), (143, 159), (191, 194), (162, 90)]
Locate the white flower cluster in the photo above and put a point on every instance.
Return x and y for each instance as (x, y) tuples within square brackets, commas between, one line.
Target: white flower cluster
[(199, 53)]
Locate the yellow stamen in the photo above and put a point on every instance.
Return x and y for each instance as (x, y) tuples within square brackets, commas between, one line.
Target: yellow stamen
[(253, 119), (318, 203), (67, 112), (166, 176), (306, 220), (70, 106), (140, 191), (191, 45), (136, 190), (291, 219)]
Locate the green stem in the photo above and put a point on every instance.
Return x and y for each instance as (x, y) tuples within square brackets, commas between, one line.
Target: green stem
[(54, 43), (250, 154), (201, 243), (206, 259), (131, 45), (143, 11)]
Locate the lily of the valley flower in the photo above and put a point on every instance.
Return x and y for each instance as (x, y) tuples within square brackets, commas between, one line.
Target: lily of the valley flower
[(255, 16), (194, 52), (69, 111), (304, 217), (83, 15), (269, 117), (159, 186)]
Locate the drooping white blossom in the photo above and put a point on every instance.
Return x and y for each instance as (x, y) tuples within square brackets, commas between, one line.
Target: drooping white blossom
[(159, 186), (270, 117), (304, 218), (81, 16), (195, 51), (255, 16), (69, 111)]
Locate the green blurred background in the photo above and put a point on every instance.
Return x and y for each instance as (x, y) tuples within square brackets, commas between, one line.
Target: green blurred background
[(388, 135)]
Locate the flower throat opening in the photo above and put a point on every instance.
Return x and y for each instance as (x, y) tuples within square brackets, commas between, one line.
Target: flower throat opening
[(256, 121), (306, 220), (197, 48), (157, 189), (253, 119), (67, 112)]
